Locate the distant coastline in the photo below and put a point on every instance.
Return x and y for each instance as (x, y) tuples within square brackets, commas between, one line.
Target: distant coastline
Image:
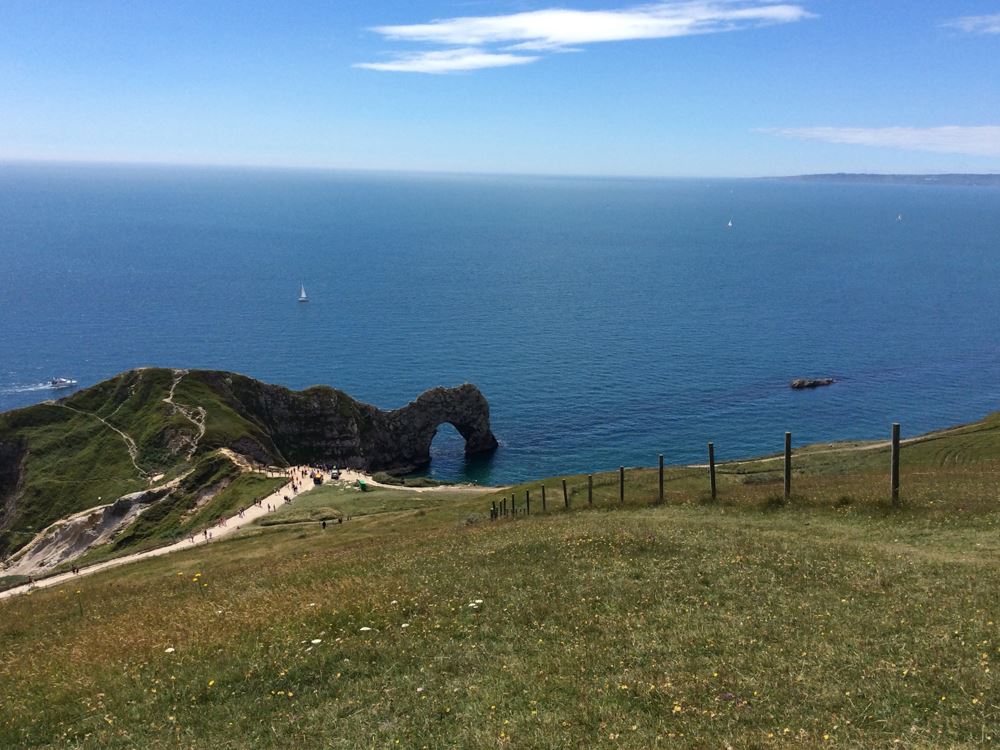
[(967, 180)]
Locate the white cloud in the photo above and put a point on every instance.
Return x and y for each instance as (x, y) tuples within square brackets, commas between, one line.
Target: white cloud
[(982, 140), (559, 29), (976, 24), (448, 61)]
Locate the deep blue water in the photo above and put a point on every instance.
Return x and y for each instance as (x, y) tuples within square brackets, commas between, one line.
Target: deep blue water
[(606, 320)]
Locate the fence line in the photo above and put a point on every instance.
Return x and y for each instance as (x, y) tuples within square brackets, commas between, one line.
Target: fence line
[(502, 510)]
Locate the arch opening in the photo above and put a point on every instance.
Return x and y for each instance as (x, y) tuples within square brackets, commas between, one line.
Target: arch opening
[(450, 459)]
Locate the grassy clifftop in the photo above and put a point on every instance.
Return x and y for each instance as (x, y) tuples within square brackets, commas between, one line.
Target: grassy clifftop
[(834, 620)]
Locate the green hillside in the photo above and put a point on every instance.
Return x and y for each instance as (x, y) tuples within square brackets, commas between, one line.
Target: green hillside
[(832, 620), (138, 429)]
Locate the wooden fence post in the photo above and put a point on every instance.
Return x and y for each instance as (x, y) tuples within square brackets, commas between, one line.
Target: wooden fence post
[(895, 463), (661, 477), (711, 467), (621, 485), (543, 499), (513, 504), (788, 466), (590, 489), (527, 502), (565, 495)]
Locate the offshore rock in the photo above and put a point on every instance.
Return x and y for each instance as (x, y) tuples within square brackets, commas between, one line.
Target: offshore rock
[(803, 383)]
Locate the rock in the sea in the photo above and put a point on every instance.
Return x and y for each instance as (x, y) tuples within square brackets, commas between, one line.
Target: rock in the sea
[(801, 383)]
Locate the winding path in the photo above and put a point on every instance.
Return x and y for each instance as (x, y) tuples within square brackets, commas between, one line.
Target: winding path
[(195, 415), (221, 531), (230, 525), (130, 445)]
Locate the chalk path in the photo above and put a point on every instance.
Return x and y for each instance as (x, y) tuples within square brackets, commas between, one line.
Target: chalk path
[(220, 531)]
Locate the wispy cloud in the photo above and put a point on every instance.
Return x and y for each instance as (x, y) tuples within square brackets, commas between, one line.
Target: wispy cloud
[(493, 38), (982, 140), (976, 24), (446, 61)]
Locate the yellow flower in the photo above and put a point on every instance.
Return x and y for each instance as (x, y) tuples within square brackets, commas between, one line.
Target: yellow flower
[(211, 682)]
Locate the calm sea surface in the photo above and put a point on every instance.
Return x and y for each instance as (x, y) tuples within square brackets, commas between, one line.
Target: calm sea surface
[(605, 320)]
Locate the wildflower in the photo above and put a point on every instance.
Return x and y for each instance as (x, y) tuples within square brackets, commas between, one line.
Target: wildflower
[(405, 625), (211, 682), (365, 629), (169, 650), (314, 641)]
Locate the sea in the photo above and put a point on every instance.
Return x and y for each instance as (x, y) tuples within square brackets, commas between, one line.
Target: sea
[(606, 320)]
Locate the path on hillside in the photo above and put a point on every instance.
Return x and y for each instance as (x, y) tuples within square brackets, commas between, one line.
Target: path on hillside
[(301, 476), (194, 414), (228, 527), (130, 444)]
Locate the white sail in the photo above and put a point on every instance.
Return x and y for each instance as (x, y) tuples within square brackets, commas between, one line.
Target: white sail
[(302, 294)]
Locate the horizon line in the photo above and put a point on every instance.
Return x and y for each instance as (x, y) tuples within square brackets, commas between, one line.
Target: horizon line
[(458, 173)]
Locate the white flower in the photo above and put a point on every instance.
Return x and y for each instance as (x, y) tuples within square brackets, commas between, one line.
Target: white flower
[(365, 629), (314, 641), (312, 604), (405, 625), (420, 689), (169, 650), (393, 602)]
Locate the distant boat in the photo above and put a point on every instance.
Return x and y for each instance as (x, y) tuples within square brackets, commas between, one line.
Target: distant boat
[(730, 224), (302, 294), (899, 217), (61, 383)]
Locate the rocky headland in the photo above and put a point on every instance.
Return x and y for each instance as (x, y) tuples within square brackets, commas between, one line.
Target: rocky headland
[(86, 456)]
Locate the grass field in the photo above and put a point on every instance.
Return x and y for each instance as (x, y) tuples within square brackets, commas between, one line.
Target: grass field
[(832, 620), (337, 501)]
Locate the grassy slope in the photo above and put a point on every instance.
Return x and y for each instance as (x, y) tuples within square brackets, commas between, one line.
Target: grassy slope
[(214, 489), (75, 461), (333, 501), (832, 620)]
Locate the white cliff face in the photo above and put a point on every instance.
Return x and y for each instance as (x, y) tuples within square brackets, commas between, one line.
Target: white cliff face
[(68, 538)]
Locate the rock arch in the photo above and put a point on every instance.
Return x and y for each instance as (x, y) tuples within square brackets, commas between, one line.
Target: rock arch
[(464, 407), (325, 425)]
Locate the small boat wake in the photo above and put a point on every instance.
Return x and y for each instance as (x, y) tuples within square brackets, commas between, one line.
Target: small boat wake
[(55, 384)]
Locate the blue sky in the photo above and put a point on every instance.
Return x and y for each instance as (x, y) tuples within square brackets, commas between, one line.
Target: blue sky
[(692, 88)]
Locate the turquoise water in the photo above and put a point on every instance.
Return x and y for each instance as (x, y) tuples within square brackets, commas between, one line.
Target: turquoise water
[(606, 320)]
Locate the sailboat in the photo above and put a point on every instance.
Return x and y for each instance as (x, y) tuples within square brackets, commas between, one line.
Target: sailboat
[(730, 224), (302, 294)]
